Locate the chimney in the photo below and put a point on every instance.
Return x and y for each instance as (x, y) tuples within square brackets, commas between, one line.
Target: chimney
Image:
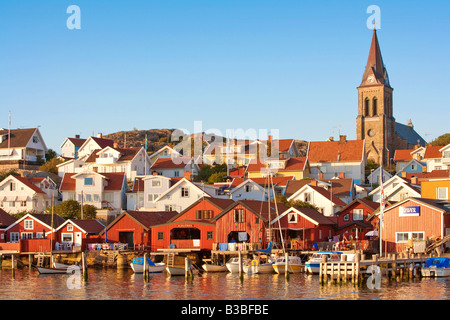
[(424, 169), (115, 145), (314, 183), (154, 173), (330, 139), (414, 181), (342, 139), (321, 175), (187, 175), (270, 138), (170, 144), (99, 135), (403, 174), (77, 136), (341, 175)]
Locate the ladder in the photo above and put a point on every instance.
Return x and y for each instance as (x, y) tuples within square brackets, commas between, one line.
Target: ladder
[(111, 258), (170, 259), (40, 259)]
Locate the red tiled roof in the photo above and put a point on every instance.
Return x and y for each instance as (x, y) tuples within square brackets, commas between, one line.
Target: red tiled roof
[(333, 151), (328, 195), (403, 155), (89, 225), (292, 164), (67, 183), (168, 163), (428, 175), (103, 143), (5, 219), (29, 184), (77, 141), (432, 152)]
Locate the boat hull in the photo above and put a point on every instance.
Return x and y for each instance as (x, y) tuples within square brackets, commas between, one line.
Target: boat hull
[(178, 271), (260, 268), (43, 270), (293, 268), (214, 268), (435, 272), (157, 268)]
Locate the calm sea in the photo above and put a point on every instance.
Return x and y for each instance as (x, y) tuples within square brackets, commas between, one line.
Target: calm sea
[(111, 284)]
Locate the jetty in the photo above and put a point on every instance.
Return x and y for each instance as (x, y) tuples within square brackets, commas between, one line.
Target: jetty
[(395, 266)]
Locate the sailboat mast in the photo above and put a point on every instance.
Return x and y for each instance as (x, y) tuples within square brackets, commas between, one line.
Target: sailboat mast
[(276, 211)]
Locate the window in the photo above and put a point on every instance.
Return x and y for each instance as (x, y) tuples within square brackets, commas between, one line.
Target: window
[(307, 197), (347, 217), (67, 237), (442, 193), (12, 186), (413, 167), (96, 198), (156, 183), (358, 214), (184, 192), (366, 107), (88, 181), (374, 106), (203, 214), (26, 235), (88, 197), (169, 207), (238, 215), (29, 224), (14, 237), (210, 235), (24, 203), (160, 235), (109, 197), (12, 204), (70, 227), (405, 236), (292, 218), (248, 188), (446, 154), (176, 173)]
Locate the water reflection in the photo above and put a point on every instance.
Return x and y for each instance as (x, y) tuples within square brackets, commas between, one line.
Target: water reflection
[(110, 284)]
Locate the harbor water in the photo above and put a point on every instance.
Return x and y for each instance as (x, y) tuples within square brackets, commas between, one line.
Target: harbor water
[(112, 284)]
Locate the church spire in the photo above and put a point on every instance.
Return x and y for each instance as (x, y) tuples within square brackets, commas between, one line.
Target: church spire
[(375, 72)]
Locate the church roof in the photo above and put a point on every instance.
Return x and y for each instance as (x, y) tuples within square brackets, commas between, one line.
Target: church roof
[(408, 133), (375, 65)]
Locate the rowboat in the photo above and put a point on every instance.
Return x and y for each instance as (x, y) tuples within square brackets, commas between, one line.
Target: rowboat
[(48, 270), (138, 265)]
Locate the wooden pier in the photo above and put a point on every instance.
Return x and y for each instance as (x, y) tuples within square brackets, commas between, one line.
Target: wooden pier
[(394, 267)]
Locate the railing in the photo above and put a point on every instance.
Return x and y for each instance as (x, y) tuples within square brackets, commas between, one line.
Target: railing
[(235, 246)]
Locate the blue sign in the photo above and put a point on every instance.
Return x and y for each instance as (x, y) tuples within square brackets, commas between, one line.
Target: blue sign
[(409, 211)]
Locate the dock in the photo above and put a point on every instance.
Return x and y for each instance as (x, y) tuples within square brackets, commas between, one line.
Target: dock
[(396, 266)]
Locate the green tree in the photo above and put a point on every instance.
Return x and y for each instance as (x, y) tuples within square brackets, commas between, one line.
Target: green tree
[(69, 209), (442, 140), (51, 165), (50, 154), (89, 212), (217, 177)]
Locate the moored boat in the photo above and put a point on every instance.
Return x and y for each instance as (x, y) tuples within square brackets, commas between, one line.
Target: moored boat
[(48, 270), (179, 271), (209, 267), (233, 264), (436, 267), (295, 265), (313, 264), (138, 265)]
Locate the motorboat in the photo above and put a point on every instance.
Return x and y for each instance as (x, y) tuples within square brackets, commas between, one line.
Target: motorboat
[(295, 265), (233, 264), (436, 267), (258, 265), (313, 264), (179, 271), (138, 265)]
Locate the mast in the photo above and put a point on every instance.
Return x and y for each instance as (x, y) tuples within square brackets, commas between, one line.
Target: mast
[(276, 211), (51, 238)]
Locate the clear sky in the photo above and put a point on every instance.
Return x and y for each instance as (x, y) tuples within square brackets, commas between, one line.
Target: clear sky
[(289, 65)]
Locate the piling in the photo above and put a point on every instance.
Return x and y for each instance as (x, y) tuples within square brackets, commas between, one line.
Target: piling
[(145, 272), (286, 270), (13, 265), (84, 266), (241, 268)]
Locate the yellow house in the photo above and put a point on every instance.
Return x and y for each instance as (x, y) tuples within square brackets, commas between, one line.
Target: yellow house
[(436, 189), (297, 167)]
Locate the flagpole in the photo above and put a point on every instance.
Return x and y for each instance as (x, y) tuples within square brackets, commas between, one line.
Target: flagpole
[(381, 217)]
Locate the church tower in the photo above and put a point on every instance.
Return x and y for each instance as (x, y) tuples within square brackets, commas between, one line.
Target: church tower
[(375, 122)]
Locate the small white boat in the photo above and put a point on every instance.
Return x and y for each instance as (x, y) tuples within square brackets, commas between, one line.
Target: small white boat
[(48, 270), (259, 266), (209, 267), (313, 264), (138, 266), (233, 264), (295, 265), (179, 271), (436, 267), (63, 266)]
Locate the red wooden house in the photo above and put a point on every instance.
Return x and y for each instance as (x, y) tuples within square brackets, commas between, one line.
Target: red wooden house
[(32, 232), (353, 221), (246, 221), (77, 233), (414, 218), (134, 227), (192, 228), (5, 221), (302, 227)]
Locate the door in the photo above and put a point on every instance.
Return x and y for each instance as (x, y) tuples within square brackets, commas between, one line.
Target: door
[(77, 241), (127, 237)]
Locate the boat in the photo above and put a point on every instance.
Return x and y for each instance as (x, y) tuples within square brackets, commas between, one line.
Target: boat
[(295, 265), (210, 267), (233, 264), (313, 264), (179, 271), (257, 266), (138, 265), (48, 270), (436, 267)]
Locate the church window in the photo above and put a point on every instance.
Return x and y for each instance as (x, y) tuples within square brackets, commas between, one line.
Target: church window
[(374, 107), (367, 106)]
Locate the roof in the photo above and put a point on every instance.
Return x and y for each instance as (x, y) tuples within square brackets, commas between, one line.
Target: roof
[(78, 142), (310, 213), (294, 185), (432, 152), (408, 133), (428, 175), (403, 155), (169, 163), (368, 203), (329, 195), (91, 226), (220, 204), (19, 138), (115, 181), (146, 219), (291, 164), (102, 142), (47, 219), (375, 65), (29, 184), (336, 151), (6, 219), (126, 154)]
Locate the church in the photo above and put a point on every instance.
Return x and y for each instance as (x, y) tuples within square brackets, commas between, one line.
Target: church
[(375, 123)]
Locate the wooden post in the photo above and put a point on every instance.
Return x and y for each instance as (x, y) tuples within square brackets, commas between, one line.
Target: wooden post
[(241, 268), (325, 268), (187, 268), (1, 260), (145, 271), (13, 262), (84, 266), (286, 267), (357, 259)]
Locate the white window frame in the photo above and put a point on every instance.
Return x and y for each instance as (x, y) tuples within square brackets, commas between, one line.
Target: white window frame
[(445, 189), (410, 234), (70, 227), (66, 234), (14, 236), (26, 225), (292, 217), (358, 212)]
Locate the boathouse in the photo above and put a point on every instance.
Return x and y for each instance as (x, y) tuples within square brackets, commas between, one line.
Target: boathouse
[(246, 221), (134, 227), (192, 228), (352, 223), (75, 234), (416, 219), (302, 227), (5, 221)]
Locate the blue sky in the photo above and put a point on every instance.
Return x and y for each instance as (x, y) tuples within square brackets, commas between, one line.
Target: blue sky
[(252, 64)]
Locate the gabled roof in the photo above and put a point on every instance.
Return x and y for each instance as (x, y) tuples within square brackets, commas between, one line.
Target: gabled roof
[(291, 164), (146, 219), (115, 180), (88, 226), (428, 175), (440, 205), (220, 204), (432, 152), (173, 187), (336, 151), (408, 133), (372, 205), (169, 163), (310, 214), (5, 219), (126, 154), (19, 137), (101, 142), (403, 155), (27, 182), (259, 208), (325, 193), (44, 218)]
